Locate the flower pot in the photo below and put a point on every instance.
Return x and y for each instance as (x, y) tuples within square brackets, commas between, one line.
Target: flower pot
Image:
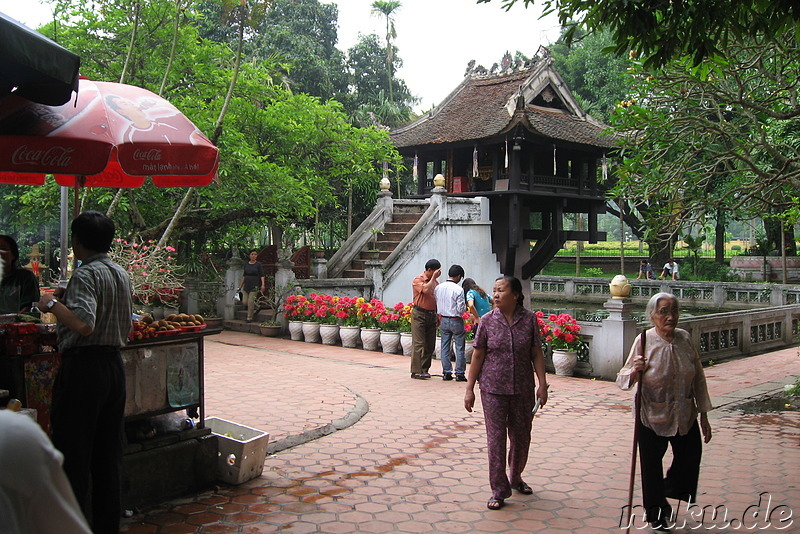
[(270, 331), (370, 338), (329, 333), (296, 330), (390, 341), (350, 335), (469, 348), (564, 362), (311, 332), (406, 343)]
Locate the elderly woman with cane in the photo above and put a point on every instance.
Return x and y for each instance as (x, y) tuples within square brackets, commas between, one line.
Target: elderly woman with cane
[(672, 390), (508, 353)]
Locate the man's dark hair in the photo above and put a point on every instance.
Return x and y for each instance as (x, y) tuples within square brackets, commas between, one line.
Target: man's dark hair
[(455, 270), (93, 230), (13, 248), (432, 265)]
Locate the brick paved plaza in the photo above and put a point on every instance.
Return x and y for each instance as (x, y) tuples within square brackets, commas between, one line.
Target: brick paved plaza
[(409, 458)]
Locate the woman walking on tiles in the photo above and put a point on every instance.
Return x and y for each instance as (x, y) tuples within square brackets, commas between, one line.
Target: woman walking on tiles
[(674, 391), (508, 352)]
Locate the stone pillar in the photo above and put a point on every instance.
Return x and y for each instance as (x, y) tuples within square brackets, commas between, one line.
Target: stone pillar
[(190, 297), (374, 272), (610, 349), (284, 280), (233, 275), (319, 268)]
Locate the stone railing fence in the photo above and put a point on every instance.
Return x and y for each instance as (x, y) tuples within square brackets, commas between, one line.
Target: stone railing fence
[(715, 295)]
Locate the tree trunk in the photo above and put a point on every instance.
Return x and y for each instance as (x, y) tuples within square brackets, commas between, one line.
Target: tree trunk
[(719, 239)]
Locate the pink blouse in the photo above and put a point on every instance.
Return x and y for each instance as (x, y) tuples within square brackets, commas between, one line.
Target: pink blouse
[(674, 385)]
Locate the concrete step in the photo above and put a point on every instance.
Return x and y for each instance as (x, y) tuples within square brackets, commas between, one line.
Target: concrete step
[(399, 227), (243, 326), (352, 273), (391, 237)]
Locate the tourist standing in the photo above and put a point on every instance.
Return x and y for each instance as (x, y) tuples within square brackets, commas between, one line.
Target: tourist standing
[(508, 353), (478, 301), (451, 305), (94, 319), (423, 319), (253, 282)]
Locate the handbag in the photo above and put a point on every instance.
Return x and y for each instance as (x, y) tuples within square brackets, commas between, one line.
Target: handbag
[(237, 297)]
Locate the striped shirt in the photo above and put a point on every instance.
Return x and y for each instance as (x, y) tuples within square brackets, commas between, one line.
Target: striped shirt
[(99, 293), (450, 299)]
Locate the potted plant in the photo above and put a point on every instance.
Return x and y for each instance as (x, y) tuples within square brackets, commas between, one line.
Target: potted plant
[(368, 313), (390, 330), (349, 326), (270, 328), (561, 333), (294, 311), (405, 327)]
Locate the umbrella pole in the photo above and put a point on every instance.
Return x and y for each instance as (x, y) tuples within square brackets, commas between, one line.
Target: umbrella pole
[(64, 222)]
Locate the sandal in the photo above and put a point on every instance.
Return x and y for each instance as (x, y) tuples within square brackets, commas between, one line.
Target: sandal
[(523, 488), (495, 504)]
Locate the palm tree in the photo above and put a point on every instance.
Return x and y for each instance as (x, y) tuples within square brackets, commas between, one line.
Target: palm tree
[(388, 8)]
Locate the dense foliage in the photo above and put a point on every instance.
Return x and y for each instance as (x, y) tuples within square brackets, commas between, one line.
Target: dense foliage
[(288, 160)]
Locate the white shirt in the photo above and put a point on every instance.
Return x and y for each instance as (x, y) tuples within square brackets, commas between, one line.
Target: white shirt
[(450, 300), (673, 269), (35, 495)]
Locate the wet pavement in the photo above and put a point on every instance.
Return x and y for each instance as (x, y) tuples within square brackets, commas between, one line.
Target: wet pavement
[(358, 446)]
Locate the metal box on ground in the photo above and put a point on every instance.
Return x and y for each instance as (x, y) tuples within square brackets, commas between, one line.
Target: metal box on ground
[(242, 450)]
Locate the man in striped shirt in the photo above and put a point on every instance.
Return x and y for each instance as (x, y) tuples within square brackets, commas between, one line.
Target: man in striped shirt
[(94, 320)]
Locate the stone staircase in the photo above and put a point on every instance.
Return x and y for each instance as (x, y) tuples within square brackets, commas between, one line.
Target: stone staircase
[(404, 217)]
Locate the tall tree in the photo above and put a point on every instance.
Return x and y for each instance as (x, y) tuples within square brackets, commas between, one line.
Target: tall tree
[(368, 103), (718, 135), (388, 8), (662, 31)]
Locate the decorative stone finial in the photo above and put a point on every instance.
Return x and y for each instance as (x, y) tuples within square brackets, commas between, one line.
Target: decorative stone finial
[(620, 287), (385, 185), (438, 181)]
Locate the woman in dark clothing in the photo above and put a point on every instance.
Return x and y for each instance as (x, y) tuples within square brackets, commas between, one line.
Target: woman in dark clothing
[(19, 287), (508, 353), (253, 281)]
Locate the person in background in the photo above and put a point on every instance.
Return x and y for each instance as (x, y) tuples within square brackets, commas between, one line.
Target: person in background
[(478, 302), (646, 270), (423, 319), (508, 356), (253, 281), (674, 391), (450, 306), (670, 270), (94, 320), (19, 287), (35, 495)]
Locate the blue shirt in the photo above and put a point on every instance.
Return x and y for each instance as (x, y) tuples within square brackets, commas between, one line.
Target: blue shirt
[(482, 305)]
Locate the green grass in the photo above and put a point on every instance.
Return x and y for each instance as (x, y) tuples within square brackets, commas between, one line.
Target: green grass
[(565, 269)]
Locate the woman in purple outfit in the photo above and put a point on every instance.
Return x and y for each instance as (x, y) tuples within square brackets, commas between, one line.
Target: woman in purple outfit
[(508, 352)]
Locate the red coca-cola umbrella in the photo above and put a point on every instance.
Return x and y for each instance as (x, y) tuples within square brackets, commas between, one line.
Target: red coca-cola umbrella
[(115, 135)]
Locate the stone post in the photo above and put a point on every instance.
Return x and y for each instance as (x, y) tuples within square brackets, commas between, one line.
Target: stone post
[(610, 349), (284, 279), (374, 272), (233, 275), (319, 268), (190, 300)]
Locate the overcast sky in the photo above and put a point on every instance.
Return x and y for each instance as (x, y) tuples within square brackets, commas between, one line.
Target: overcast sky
[(436, 38)]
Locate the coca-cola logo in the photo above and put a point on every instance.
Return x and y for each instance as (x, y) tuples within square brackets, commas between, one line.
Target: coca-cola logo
[(154, 154), (56, 156)]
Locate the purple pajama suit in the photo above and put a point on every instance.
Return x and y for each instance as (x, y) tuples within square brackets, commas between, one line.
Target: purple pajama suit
[(508, 393)]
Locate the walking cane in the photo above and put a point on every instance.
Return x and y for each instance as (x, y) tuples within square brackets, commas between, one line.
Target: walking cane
[(637, 401)]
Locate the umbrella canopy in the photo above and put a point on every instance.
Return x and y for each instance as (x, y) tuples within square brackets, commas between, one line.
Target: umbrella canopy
[(114, 136), (33, 66)]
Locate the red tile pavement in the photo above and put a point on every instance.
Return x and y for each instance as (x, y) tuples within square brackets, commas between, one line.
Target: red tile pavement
[(416, 460)]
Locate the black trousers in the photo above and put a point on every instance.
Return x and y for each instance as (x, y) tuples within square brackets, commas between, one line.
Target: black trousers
[(682, 475), (87, 421)]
